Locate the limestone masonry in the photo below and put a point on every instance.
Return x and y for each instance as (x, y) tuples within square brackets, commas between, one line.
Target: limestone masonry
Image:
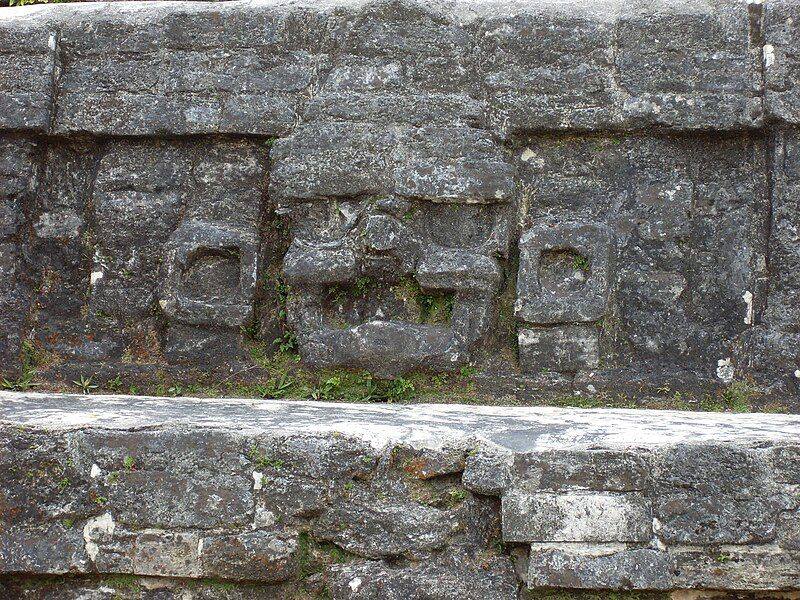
[(517, 199), (575, 197), (287, 500)]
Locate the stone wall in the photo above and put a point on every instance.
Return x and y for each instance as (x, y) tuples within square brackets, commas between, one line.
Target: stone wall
[(107, 497), (568, 197)]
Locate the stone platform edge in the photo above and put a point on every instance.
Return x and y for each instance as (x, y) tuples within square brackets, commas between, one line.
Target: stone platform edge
[(486, 500)]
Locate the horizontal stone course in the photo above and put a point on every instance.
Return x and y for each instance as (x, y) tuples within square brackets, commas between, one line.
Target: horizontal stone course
[(255, 491), (142, 69)]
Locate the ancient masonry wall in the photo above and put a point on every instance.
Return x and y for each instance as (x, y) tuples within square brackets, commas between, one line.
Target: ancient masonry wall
[(564, 197), (109, 497), (573, 197)]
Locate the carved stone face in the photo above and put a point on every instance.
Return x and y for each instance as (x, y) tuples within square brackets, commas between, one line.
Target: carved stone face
[(398, 271)]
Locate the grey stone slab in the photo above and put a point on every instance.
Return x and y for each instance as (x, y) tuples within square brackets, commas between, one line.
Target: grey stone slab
[(515, 428), (736, 567), (562, 348), (571, 516), (687, 66), (599, 568), (596, 469), (454, 578), (717, 494), (28, 64), (251, 556)]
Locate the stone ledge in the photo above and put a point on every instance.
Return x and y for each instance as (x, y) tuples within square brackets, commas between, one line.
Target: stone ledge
[(247, 67), (391, 498)]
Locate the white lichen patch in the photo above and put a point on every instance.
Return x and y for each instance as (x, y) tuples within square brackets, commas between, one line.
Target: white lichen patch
[(96, 530), (797, 373), (258, 480), (95, 277), (748, 300), (95, 471), (263, 518), (725, 370), (769, 55)]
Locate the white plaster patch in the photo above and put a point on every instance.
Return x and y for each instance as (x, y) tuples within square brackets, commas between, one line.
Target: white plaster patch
[(748, 300), (725, 370), (95, 277), (95, 530), (95, 471), (769, 55), (355, 583), (199, 547), (258, 480)]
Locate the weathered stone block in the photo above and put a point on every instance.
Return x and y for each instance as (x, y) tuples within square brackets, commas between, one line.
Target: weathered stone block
[(548, 69), (139, 80), (789, 531), (452, 165), (387, 528), (456, 578), (735, 567), (48, 550), (28, 62), (253, 556), (565, 273), (162, 500), (599, 567), (332, 161), (562, 348), (716, 495), (210, 275), (608, 470), (781, 62), (575, 517), (689, 67), (151, 552), (487, 472), (776, 339)]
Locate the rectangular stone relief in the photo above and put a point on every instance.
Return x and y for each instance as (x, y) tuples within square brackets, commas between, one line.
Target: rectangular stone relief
[(565, 273), (672, 244), (412, 213)]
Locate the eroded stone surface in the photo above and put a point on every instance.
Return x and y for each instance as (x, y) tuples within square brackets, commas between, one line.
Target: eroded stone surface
[(388, 501), (380, 184)]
